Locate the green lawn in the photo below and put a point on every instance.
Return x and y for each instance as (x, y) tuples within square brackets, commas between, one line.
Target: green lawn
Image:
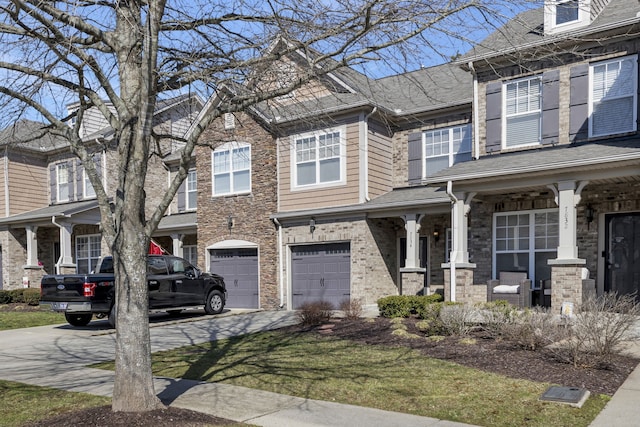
[(28, 318), (22, 403), (386, 378)]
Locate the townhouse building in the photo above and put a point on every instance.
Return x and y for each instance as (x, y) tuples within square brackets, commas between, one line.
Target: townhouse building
[(520, 156)]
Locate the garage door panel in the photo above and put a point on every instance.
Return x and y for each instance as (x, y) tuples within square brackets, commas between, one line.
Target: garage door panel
[(321, 273), (239, 268)]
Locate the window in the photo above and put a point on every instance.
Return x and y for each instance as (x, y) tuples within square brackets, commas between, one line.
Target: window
[(192, 190), (522, 116), (88, 189), (87, 253), (232, 169), (525, 241), (319, 158), (190, 253), (567, 11), (444, 147), (613, 96), (64, 183)]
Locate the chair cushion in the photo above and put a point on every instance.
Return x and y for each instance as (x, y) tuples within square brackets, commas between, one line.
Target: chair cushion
[(506, 289)]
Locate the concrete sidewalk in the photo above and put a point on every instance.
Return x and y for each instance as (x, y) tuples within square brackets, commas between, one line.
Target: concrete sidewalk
[(57, 356)]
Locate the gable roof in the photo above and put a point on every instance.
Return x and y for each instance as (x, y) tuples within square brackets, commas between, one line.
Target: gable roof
[(31, 136), (526, 30)]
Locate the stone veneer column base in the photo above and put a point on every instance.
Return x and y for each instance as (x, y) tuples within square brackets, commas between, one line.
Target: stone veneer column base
[(33, 274), (466, 291), (566, 283), (413, 281)]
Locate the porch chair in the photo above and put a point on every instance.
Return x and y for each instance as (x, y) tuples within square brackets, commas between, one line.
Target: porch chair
[(513, 287)]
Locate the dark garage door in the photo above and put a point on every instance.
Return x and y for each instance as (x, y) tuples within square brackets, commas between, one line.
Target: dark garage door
[(239, 268), (321, 273)]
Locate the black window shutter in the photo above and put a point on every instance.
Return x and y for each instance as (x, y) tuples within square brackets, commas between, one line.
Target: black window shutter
[(494, 117), (181, 196), (550, 107), (53, 184), (79, 179), (415, 157), (579, 102)]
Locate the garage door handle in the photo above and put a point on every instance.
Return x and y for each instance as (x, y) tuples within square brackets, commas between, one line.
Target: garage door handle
[(235, 282), (322, 282)]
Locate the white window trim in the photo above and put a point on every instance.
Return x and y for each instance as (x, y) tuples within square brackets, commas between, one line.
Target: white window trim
[(634, 59), (343, 159), (584, 16), (532, 247), (505, 117), (67, 183), (187, 191), (88, 236), (451, 154), (229, 146), (195, 249)]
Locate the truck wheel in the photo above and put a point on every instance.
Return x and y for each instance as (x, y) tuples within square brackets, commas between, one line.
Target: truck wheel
[(78, 319), (215, 303), (112, 316)]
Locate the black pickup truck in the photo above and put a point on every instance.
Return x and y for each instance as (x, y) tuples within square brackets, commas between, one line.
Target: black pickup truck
[(174, 285)]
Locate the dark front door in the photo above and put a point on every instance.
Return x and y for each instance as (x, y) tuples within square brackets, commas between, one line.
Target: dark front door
[(622, 253), (239, 269)]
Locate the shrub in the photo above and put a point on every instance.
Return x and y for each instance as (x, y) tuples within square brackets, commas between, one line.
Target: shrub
[(31, 296), (532, 329), (314, 313), (5, 297), (459, 319), (17, 296), (352, 309), (597, 330), (406, 305)]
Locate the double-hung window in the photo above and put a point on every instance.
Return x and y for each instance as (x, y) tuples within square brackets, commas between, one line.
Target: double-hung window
[(63, 181), (231, 169), (613, 96), (319, 158), (444, 147), (87, 252), (525, 241), (191, 198), (523, 113)]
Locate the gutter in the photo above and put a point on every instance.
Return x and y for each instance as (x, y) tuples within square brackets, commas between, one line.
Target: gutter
[(453, 259), (7, 205)]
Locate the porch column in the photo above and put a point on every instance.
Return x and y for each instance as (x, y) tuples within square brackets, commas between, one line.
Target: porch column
[(177, 244), (458, 280), (65, 264), (412, 275), (32, 272), (32, 246), (566, 269)]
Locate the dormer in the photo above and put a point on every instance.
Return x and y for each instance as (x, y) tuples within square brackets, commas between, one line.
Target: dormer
[(566, 15)]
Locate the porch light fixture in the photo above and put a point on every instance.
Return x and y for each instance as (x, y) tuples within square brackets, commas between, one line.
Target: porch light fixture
[(589, 213), (230, 222), (436, 234), (312, 225)]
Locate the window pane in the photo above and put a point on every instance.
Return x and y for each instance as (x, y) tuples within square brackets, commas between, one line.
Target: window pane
[(512, 262), (566, 12), (221, 161), (522, 130), (614, 116), (306, 173), (437, 164), (222, 184), (241, 181), (330, 170)]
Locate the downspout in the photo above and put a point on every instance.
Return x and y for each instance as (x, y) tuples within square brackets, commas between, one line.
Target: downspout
[(453, 259), (7, 209), (365, 149), (476, 113), (53, 220), (280, 261)]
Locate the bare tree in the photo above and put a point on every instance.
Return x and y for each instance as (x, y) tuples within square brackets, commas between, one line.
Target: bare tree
[(121, 56)]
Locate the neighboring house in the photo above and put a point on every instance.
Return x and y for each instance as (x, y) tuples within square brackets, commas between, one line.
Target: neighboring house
[(50, 223)]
